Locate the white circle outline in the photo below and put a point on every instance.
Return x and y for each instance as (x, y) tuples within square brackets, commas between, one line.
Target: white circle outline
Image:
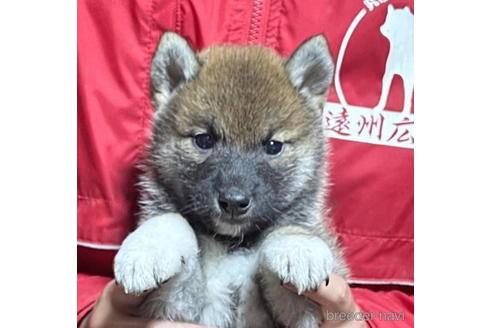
[(341, 54)]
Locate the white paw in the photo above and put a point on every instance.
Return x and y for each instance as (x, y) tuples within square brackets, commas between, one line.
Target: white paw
[(302, 260), (155, 252)]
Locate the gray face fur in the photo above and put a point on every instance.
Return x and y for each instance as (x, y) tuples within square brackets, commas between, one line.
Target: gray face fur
[(242, 104)]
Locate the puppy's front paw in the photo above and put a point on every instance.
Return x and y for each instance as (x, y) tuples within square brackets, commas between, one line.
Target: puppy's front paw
[(154, 253), (302, 260), (138, 268)]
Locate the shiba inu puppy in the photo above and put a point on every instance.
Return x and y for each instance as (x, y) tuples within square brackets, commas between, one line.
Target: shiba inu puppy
[(233, 189)]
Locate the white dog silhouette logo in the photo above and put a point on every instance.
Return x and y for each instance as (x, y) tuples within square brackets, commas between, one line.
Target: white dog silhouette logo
[(378, 124), (398, 29)]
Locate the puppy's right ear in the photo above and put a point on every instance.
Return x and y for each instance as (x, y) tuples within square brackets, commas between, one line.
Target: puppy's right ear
[(174, 63)]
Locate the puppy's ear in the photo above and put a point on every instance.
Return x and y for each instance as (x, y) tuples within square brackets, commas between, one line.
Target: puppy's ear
[(174, 64), (311, 69)]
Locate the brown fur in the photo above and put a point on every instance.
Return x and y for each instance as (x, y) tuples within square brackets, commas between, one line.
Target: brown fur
[(245, 95)]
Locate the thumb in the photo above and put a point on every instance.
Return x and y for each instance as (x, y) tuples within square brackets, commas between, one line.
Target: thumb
[(335, 296), (122, 301)]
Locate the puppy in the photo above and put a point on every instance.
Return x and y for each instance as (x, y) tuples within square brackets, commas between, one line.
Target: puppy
[(233, 189)]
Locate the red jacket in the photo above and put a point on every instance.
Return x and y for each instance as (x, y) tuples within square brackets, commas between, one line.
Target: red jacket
[(372, 147)]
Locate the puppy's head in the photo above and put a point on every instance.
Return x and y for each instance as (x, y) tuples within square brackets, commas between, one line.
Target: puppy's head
[(237, 137)]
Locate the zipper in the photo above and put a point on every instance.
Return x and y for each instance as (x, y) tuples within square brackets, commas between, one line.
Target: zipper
[(255, 25)]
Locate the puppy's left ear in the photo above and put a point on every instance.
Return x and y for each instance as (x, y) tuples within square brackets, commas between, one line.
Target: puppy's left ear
[(311, 69), (173, 65)]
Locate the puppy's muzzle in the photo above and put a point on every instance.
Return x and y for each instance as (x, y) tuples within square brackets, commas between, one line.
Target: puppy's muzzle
[(234, 202)]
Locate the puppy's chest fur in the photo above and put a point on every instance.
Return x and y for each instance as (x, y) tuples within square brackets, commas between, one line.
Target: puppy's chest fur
[(219, 288), (233, 297)]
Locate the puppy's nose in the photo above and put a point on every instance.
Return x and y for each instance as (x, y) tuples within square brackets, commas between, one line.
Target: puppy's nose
[(234, 201)]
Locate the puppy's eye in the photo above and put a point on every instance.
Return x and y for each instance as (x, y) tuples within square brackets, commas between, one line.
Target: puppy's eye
[(204, 141), (273, 147)]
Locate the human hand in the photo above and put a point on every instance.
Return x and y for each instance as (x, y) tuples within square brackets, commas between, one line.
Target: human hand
[(336, 299), (114, 308)]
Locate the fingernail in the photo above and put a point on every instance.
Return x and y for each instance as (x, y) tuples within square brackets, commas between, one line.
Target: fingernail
[(290, 287)]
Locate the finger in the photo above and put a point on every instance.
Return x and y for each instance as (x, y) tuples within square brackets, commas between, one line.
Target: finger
[(335, 296), (120, 300)]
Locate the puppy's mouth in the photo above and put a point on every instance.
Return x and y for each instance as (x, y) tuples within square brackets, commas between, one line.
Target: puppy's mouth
[(235, 218), (232, 225)]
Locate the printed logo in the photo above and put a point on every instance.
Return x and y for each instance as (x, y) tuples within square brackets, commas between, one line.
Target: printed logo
[(376, 125)]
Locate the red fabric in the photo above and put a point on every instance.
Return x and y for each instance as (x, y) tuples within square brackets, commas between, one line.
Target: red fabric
[(372, 193), (88, 290), (385, 308)]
